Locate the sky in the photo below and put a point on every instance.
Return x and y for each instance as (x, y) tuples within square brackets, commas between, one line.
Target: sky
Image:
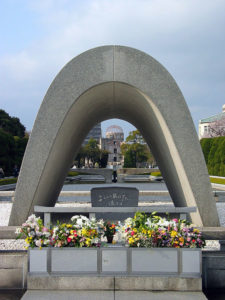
[(37, 38)]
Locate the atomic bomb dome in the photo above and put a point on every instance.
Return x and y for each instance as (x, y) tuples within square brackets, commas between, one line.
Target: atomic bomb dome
[(114, 128), (111, 143), (115, 132)]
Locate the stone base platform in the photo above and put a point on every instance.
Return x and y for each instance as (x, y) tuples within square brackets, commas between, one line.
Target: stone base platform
[(112, 287), (113, 283), (111, 295)]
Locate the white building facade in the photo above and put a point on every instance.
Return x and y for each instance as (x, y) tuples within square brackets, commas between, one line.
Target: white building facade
[(204, 124)]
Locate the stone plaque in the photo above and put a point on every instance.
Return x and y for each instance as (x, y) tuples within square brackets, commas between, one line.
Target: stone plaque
[(114, 197)]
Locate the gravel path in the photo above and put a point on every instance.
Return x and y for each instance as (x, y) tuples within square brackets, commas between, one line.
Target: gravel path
[(5, 209)]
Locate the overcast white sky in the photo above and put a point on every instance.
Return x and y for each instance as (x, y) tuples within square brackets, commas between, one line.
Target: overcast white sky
[(38, 37)]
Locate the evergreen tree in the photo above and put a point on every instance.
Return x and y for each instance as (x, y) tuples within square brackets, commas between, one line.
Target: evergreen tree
[(214, 152), (11, 125), (7, 152), (12, 142)]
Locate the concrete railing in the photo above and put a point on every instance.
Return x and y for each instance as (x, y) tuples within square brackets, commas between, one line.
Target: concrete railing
[(88, 193)]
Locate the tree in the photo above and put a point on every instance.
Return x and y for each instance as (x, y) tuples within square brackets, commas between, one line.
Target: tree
[(13, 141), (214, 152), (135, 150), (206, 146), (92, 151), (129, 159), (103, 160), (80, 158), (135, 137), (20, 146), (7, 152), (11, 125)]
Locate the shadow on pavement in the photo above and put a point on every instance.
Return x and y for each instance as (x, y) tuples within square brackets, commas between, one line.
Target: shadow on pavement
[(11, 294)]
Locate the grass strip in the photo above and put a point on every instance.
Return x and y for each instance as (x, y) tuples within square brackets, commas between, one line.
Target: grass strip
[(217, 180), (5, 181)]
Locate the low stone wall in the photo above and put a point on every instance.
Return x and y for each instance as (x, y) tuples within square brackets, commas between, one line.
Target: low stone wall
[(213, 269), (13, 270)]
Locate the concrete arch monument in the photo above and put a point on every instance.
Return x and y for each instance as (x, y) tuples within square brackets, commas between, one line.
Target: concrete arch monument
[(114, 82)]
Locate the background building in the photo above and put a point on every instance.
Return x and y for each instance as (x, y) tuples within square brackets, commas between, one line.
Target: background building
[(95, 133), (112, 142), (214, 123)]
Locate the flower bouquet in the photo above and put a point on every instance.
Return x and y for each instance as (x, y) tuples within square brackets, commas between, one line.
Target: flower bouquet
[(141, 231), (81, 233), (109, 230), (154, 231), (37, 235)]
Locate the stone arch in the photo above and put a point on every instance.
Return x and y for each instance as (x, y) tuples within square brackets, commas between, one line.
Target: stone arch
[(114, 82)]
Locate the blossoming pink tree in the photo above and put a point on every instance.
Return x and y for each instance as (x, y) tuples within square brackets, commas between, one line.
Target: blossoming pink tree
[(216, 129)]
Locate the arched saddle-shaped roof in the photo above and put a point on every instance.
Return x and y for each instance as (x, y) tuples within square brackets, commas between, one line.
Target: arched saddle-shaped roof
[(114, 82)]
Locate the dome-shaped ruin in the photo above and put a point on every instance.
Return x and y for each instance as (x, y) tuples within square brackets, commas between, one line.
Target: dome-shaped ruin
[(114, 129)]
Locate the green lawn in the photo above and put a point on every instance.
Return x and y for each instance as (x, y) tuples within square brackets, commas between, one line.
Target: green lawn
[(157, 174), (217, 180), (73, 173), (5, 181)]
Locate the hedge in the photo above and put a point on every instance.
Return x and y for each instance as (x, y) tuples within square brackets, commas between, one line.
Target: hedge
[(214, 153)]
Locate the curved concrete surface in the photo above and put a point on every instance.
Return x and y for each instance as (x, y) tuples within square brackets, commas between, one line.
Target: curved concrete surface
[(114, 82)]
